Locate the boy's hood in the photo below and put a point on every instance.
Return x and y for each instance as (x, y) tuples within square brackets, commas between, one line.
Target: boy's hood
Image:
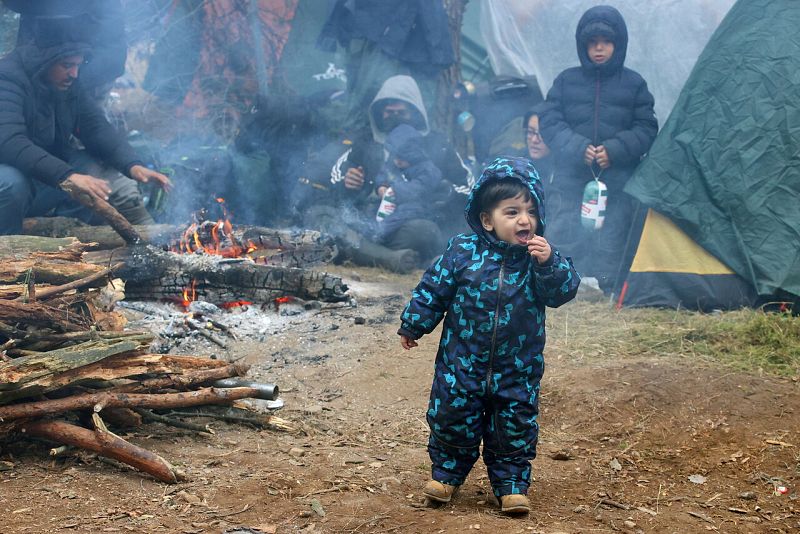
[(400, 87), (602, 20), (521, 169), (406, 143)]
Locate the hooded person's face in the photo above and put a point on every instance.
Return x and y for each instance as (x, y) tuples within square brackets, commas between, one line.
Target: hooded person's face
[(394, 114), (63, 73), (513, 220), (600, 49)]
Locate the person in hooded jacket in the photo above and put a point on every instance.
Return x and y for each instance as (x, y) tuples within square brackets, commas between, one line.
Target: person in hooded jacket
[(413, 193), (109, 45), (349, 187), (45, 117), (490, 288), (599, 121)]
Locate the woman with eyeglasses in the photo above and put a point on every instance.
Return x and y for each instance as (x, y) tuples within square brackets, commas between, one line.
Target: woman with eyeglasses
[(561, 207)]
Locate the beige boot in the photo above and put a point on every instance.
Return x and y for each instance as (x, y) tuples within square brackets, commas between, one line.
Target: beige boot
[(515, 504), (438, 492)]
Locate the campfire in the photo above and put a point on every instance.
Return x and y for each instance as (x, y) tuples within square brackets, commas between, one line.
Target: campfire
[(64, 352), (213, 260), (67, 364)]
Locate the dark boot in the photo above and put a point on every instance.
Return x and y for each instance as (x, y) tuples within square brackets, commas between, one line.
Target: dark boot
[(371, 254)]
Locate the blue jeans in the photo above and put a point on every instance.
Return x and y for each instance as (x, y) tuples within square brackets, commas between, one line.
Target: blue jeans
[(22, 197)]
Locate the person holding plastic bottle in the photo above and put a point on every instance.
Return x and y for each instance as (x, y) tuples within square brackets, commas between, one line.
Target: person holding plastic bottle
[(599, 122)]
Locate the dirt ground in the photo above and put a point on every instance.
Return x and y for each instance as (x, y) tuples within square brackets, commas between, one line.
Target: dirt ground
[(628, 444)]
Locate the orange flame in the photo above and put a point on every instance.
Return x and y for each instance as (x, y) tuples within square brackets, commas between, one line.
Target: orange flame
[(189, 294), (218, 241)]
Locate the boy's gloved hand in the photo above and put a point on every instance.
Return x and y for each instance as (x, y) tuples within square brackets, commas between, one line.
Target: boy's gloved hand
[(539, 248), (407, 343)]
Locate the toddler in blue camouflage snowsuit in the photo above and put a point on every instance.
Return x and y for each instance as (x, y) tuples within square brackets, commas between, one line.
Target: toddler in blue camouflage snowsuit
[(491, 288)]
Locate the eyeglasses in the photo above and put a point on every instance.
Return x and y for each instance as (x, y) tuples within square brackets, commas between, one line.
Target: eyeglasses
[(530, 133)]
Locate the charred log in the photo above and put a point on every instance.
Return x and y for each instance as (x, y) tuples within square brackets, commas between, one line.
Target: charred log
[(154, 274)]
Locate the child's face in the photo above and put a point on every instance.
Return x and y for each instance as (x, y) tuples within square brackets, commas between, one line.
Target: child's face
[(401, 163), (513, 220), (600, 49)]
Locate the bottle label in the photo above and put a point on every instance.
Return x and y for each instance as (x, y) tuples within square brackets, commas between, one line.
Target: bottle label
[(386, 206), (593, 207)]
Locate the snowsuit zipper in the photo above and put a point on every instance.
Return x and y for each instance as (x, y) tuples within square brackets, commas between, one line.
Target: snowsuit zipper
[(496, 323)]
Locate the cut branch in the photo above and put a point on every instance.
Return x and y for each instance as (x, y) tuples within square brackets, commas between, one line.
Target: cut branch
[(35, 314), (99, 401), (106, 211), (104, 443), (49, 292)]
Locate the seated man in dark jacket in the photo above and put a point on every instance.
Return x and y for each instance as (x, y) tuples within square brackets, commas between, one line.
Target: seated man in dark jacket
[(45, 117), (109, 46)]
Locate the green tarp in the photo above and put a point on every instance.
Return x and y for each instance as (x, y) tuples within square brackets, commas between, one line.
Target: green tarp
[(726, 165)]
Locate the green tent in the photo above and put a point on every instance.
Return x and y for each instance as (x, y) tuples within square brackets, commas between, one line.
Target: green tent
[(726, 166)]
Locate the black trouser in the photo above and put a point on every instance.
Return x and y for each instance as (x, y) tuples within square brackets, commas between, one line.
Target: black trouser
[(605, 253)]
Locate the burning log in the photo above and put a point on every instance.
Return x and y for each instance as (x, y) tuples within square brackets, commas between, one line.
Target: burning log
[(105, 443), (153, 274), (290, 248)]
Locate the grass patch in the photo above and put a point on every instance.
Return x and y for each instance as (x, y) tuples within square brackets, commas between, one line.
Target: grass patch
[(747, 340)]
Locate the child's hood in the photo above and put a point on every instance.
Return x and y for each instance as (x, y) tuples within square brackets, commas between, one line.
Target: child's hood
[(607, 21), (406, 143), (521, 169)]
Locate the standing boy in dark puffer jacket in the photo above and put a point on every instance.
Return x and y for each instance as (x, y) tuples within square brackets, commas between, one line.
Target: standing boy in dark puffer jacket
[(599, 121), (490, 288)]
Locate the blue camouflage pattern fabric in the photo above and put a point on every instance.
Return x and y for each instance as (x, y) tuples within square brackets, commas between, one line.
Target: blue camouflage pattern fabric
[(492, 297)]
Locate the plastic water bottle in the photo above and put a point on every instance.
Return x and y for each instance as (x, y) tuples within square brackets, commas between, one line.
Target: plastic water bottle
[(593, 207), (386, 206)]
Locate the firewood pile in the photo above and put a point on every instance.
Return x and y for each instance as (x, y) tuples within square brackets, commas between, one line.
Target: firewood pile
[(69, 372)]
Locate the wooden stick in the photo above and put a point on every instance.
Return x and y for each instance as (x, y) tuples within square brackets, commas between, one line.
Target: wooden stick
[(77, 284), (104, 443), (32, 313), (186, 380), (615, 504), (98, 401), (88, 335), (16, 374), (106, 211), (177, 423)]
